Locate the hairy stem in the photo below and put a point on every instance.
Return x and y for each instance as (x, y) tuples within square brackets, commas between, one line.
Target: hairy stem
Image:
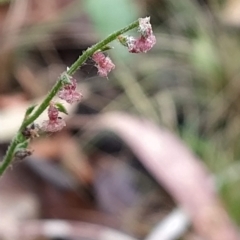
[(75, 66), (89, 52)]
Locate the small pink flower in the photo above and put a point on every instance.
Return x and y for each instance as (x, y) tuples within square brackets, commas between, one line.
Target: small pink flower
[(145, 27), (141, 45), (55, 123), (104, 64), (69, 93)]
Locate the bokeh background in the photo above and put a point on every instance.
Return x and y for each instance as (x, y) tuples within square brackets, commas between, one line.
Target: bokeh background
[(188, 84)]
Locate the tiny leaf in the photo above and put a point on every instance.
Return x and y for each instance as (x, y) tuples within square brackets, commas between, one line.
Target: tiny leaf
[(20, 138), (65, 78), (106, 48), (123, 40), (61, 108), (29, 110), (22, 145)]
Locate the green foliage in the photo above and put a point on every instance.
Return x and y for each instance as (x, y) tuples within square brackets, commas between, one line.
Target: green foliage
[(61, 108), (22, 145), (30, 110)]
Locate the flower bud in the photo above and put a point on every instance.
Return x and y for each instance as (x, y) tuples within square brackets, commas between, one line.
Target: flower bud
[(104, 64)]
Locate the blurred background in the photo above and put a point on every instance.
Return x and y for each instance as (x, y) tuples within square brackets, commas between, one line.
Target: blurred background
[(188, 84)]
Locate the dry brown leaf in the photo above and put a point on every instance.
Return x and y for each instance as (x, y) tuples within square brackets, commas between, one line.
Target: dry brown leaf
[(176, 169)]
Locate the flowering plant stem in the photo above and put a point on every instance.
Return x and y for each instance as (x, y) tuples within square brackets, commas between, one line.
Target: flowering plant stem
[(30, 118)]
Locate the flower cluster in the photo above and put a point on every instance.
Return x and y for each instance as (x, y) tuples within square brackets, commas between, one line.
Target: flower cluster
[(104, 64), (31, 132), (68, 93), (54, 123), (135, 45), (142, 44)]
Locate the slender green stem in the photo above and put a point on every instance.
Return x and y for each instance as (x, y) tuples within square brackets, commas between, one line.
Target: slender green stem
[(77, 64), (43, 105), (89, 52), (9, 155), (14, 143)]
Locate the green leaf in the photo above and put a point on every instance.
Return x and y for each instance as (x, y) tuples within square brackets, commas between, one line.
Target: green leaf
[(106, 48), (20, 138), (65, 78), (29, 110), (61, 108), (22, 145)]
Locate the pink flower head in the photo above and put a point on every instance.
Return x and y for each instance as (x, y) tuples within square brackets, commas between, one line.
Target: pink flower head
[(69, 93), (55, 123), (145, 27), (140, 45), (104, 64)]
